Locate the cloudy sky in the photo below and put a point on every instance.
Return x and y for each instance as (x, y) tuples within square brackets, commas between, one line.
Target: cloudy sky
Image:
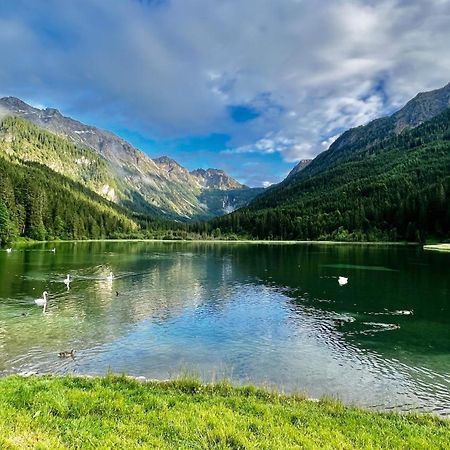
[(251, 86)]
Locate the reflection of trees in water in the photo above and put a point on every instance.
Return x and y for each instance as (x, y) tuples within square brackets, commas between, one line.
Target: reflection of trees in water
[(155, 282), (160, 281)]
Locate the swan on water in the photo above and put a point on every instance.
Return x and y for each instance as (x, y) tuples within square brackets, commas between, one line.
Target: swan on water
[(53, 250), (9, 250), (67, 281), (110, 276), (405, 312), (342, 281), (42, 301)]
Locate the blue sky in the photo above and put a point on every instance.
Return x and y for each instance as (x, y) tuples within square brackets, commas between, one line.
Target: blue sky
[(250, 86)]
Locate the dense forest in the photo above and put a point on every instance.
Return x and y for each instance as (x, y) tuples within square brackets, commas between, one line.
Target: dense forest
[(398, 189), (38, 203)]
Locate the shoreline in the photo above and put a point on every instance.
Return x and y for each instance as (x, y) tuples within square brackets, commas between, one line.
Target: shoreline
[(122, 412), (228, 241)]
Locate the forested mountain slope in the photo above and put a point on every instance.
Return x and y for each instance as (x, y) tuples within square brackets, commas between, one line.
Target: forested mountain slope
[(39, 203), (396, 188), (420, 109)]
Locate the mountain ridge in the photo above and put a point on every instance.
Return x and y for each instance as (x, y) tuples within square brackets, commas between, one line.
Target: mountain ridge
[(142, 184), (424, 106)]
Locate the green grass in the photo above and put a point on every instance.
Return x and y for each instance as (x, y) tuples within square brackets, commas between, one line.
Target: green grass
[(118, 412)]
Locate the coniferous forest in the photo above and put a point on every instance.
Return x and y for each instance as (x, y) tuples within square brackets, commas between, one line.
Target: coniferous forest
[(38, 203)]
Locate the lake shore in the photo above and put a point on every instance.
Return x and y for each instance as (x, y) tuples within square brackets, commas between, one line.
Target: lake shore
[(227, 241), (120, 412), (438, 247)]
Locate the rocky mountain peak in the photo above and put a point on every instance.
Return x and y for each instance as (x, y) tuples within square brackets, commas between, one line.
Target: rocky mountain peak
[(167, 163), (421, 108), (216, 179), (302, 164)]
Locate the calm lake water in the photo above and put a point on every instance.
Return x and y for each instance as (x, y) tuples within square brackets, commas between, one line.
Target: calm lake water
[(274, 315)]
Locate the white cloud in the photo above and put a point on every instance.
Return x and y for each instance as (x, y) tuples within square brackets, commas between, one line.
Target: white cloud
[(170, 69)]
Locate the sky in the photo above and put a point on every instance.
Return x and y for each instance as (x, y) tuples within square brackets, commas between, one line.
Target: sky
[(249, 86)]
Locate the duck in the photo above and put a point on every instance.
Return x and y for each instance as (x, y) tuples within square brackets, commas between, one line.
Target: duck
[(42, 301), (70, 354), (8, 250), (110, 276), (342, 281)]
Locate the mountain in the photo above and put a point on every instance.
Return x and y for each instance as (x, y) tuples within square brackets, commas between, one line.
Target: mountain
[(303, 164), (131, 178), (176, 172), (199, 178), (421, 108), (216, 179), (389, 180), (219, 193), (38, 203)]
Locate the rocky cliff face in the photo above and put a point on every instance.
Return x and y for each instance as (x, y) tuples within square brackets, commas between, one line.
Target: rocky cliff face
[(303, 164), (142, 184), (216, 179)]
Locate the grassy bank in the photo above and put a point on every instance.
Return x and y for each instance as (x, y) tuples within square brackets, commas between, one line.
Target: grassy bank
[(116, 412)]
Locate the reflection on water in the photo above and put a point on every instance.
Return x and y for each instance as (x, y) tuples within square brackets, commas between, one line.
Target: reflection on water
[(268, 314)]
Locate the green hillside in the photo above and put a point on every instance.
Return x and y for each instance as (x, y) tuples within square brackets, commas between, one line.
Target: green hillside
[(396, 189), (38, 203), (23, 140)]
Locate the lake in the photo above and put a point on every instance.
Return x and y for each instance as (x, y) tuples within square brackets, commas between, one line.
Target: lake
[(270, 314)]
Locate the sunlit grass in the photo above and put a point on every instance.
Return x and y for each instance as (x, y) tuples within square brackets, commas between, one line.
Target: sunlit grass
[(119, 412)]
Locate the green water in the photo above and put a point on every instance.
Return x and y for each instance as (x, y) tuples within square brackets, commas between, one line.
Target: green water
[(274, 315)]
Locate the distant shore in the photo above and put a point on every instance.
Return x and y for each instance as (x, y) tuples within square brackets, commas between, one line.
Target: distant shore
[(228, 241)]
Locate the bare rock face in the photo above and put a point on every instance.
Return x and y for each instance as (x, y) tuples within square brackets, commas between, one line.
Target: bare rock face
[(303, 164), (422, 107), (144, 185), (216, 179)]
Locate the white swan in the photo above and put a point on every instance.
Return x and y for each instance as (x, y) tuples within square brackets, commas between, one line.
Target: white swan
[(67, 281), (342, 281), (110, 276), (9, 250), (405, 312), (42, 301), (53, 250)]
